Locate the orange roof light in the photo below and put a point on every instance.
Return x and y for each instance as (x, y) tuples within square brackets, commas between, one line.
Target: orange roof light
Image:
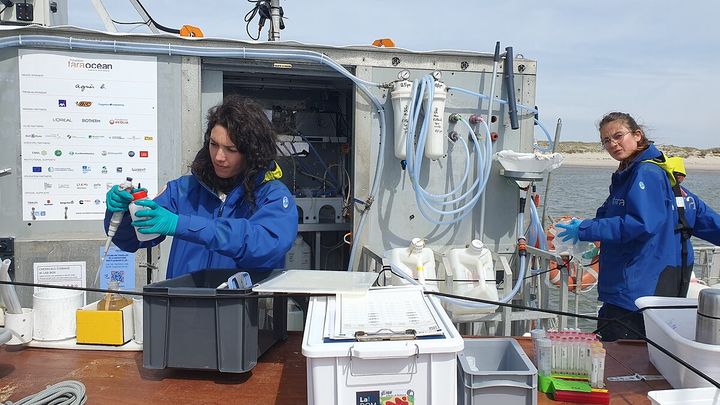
[(191, 31), (386, 42)]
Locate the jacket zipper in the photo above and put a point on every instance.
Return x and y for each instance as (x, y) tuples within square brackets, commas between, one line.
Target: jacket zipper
[(220, 212)]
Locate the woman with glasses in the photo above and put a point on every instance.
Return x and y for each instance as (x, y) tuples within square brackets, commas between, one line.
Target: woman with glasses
[(644, 229)]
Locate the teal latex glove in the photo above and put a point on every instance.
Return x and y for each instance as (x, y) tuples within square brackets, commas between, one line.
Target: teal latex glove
[(159, 220), (117, 199), (571, 230)]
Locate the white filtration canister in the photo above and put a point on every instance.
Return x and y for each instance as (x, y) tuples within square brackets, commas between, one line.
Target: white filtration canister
[(435, 142), (54, 313), (400, 96)]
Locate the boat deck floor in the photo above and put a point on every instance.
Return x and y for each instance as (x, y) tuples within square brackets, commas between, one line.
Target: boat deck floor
[(279, 377)]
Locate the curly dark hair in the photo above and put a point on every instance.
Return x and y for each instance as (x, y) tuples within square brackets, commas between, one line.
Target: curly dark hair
[(251, 132)]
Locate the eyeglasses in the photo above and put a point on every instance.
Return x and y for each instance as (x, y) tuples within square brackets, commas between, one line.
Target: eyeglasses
[(615, 138)]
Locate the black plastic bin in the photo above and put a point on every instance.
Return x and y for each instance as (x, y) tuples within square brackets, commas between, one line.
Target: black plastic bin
[(189, 323)]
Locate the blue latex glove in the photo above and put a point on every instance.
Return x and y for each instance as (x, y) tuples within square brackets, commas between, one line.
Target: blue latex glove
[(117, 199), (571, 230), (159, 220)]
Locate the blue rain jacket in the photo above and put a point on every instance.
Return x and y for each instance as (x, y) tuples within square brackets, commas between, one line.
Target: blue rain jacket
[(640, 254), (213, 234)]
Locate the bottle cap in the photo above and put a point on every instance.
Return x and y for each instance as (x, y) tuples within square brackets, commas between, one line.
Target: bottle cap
[(476, 244), (139, 195), (417, 243)]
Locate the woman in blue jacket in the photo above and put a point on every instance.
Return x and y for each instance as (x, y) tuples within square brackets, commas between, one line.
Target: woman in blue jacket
[(644, 250), (231, 211)]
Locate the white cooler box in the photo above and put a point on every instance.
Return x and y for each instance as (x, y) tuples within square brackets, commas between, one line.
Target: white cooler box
[(674, 330), (420, 372)]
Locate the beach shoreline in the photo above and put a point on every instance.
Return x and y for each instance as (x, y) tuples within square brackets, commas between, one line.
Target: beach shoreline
[(595, 159)]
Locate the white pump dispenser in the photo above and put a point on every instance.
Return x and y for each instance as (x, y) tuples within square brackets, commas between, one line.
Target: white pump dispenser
[(473, 263), (417, 261)]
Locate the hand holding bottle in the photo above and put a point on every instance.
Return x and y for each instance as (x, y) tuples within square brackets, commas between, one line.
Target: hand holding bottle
[(118, 198), (155, 219)]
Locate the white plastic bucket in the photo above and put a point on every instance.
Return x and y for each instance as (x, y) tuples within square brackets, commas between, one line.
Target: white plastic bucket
[(54, 313), (21, 326)]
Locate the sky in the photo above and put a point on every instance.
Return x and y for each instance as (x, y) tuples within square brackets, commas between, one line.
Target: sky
[(651, 58)]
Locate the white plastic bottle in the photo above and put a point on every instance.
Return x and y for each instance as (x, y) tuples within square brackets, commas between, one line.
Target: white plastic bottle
[(473, 263), (134, 208), (298, 257), (417, 261)]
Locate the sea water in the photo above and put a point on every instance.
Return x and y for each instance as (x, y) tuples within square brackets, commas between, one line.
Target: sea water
[(578, 191)]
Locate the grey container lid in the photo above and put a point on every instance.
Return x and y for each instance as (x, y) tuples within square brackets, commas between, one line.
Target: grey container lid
[(709, 302)]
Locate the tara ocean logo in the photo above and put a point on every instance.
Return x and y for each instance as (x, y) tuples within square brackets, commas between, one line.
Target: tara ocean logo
[(37, 169), (87, 65), (62, 103)]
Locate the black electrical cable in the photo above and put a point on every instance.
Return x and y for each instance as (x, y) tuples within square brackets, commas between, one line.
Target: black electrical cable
[(251, 15), (595, 318), (155, 23), (427, 292), (165, 295), (131, 23), (559, 267)]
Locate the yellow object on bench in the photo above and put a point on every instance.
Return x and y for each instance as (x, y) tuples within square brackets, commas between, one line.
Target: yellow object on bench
[(104, 327)]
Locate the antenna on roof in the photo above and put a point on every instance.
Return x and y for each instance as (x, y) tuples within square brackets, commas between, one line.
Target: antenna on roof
[(267, 10)]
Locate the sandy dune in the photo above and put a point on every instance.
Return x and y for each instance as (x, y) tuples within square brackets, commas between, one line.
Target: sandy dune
[(603, 159)]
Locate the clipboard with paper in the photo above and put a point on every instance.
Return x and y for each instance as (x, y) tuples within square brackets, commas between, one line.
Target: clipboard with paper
[(383, 311)]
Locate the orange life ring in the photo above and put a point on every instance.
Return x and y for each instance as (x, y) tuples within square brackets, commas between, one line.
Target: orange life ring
[(589, 273)]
